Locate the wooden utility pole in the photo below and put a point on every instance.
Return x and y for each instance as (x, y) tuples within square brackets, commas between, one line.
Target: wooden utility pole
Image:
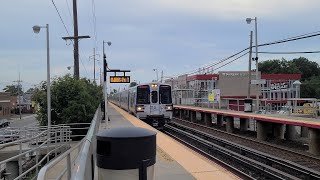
[(19, 90), (76, 42), (76, 38), (94, 63)]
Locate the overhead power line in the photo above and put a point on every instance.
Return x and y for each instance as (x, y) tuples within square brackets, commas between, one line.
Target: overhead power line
[(301, 52), (214, 64), (288, 40), (65, 27), (231, 61), (295, 38)]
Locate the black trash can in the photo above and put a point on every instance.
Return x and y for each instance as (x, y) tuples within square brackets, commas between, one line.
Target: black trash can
[(126, 153)]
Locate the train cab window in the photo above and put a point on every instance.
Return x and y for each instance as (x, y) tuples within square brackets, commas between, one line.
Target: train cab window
[(165, 95), (154, 96), (143, 95)]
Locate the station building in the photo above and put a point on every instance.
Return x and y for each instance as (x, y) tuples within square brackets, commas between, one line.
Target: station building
[(273, 90), (5, 105)]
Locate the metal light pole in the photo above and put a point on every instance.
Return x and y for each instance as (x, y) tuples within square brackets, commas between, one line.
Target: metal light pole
[(296, 83), (256, 59), (156, 70), (36, 29), (249, 70), (105, 64)]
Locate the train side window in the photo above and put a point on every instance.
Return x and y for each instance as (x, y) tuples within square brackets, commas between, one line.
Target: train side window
[(165, 95), (143, 95), (154, 96)]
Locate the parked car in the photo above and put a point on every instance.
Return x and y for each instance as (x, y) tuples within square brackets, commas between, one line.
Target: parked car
[(285, 110), (4, 123), (8, 136)]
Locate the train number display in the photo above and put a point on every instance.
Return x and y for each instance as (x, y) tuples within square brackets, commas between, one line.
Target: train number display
[(119, 79)]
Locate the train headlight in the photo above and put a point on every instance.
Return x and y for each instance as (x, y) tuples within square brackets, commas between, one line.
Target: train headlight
[(169, 108), (140, 108)]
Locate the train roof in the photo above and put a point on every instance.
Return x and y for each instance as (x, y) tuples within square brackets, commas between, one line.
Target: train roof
[(158, 83)]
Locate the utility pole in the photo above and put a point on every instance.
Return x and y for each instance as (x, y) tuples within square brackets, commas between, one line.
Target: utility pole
[(257, 66), (76, 42), (249, 70), (76, 38), (161, 75), (19, 90), (94, 63)]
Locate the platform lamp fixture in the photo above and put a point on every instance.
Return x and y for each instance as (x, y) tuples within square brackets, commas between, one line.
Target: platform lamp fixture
[(248, 20), (105, 68), (36, 29)]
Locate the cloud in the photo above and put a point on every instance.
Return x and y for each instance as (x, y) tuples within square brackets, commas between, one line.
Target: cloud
[(233, 9)]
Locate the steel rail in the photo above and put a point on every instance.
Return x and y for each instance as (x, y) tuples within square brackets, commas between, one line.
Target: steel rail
[(235, 157), (249, 139), (286, 165)]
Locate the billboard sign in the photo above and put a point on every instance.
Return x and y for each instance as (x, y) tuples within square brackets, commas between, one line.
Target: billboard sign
[(279, 85)]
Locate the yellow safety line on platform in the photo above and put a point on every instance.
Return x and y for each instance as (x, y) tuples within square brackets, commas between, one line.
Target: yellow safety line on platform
[(199, 166)]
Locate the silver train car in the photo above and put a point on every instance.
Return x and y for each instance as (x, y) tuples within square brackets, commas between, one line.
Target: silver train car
[(151, 102)]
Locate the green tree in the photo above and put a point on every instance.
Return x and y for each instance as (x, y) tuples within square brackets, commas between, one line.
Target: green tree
[(277, 66), (133, 84), (311, 88), (13, 89), (307, 68), (72, 100)]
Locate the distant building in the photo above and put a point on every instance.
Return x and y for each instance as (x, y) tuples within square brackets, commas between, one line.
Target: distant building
[(26, 102), (5, 105), (233, 86)]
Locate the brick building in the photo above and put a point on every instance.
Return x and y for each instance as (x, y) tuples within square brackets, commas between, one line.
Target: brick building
[(5, 105), (233, 85)]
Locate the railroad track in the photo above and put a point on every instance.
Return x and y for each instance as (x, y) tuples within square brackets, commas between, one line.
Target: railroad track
[(253, 163), (281, 152)]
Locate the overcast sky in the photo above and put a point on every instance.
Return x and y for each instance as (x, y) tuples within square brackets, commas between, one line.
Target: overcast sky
[(175, 36)]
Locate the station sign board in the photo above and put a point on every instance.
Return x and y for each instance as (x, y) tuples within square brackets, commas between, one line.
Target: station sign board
[(119, 79), (279, 85), (261, 81)]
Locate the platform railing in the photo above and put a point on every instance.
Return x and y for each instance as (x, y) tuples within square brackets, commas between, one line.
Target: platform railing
[(81, 165), (53, 141)]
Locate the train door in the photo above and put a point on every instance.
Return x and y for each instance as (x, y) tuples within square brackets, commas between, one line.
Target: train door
[(128, 101), (154, 105)]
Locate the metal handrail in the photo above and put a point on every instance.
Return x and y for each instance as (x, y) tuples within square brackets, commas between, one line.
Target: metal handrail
[(84, 148), (43, 171), (56, 141), (81, 170)]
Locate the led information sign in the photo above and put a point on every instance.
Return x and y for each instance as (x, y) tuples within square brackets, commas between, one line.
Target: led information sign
[(119, 79)]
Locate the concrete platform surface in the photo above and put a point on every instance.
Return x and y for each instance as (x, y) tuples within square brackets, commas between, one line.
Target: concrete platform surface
[(174, 160)]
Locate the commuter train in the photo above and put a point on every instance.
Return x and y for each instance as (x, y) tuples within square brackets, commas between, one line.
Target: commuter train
[(151, 102)]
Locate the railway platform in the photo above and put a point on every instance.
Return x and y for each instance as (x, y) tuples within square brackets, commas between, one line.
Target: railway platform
[(282, 127), (173, 160)]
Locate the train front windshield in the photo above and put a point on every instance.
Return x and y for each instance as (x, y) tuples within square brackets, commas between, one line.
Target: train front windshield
[(143, 95), (165, 94)]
